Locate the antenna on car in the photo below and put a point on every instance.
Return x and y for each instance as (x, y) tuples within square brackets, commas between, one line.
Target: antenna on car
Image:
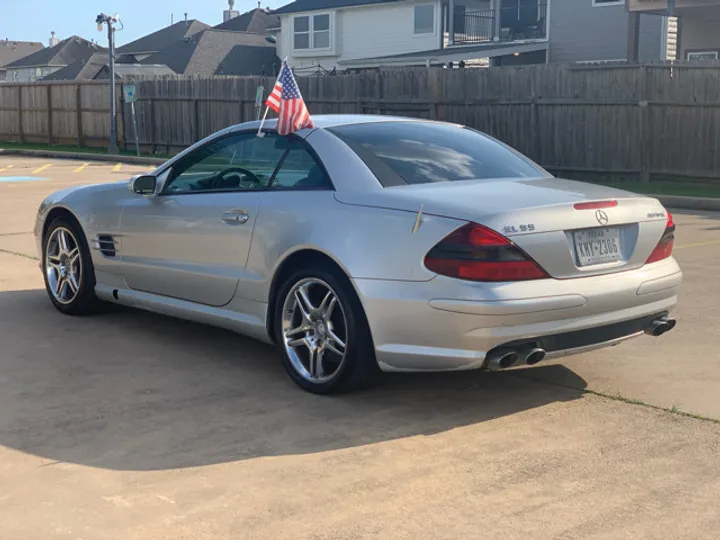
[(418, 220)]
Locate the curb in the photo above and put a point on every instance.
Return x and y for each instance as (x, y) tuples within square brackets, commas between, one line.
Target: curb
[(688, 203), (130, 160)]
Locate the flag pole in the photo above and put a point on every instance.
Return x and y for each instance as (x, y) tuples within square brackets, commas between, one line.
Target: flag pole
[(262, 122)]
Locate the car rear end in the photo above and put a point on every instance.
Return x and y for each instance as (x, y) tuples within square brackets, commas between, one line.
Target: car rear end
[(531, 268)]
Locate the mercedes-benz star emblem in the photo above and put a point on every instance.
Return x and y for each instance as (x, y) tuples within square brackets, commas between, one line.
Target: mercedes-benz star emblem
[(601, 217)]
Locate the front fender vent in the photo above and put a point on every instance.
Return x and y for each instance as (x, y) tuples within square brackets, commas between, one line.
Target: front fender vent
[(106, 245)]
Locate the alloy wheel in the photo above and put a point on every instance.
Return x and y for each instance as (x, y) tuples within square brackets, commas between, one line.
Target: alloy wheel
[(314, 330), (63, 265)]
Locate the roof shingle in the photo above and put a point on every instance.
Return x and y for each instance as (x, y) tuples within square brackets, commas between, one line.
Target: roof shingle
[(11, 51), (164, 37), (67, 52), (256, 20), (311, 5), (203, 54)]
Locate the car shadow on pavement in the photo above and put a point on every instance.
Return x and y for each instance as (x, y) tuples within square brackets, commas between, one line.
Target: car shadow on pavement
[(130, 390)]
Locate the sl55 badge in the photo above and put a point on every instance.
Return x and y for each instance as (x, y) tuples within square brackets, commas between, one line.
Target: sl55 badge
[(528, 227)]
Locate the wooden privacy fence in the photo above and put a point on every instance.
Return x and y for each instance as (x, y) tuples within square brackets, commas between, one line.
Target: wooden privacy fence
[(656, 120), (57, 113)]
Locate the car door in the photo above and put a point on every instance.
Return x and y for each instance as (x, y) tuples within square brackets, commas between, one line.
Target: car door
[(192, 239)]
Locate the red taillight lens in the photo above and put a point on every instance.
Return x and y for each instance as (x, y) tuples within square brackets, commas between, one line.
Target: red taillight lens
[(476, 253), (595, 205), (665, 246)]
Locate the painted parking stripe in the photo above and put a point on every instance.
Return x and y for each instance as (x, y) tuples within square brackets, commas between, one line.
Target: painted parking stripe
[(699, 244), (81, 167), (117, 167), (20, 178), (41, 169)]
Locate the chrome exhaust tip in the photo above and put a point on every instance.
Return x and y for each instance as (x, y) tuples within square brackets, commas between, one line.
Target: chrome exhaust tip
[(502, 359), (533, 356), (659, 326)]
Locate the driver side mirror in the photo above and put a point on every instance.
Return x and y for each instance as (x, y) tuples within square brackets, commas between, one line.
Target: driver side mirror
[(143, 185)]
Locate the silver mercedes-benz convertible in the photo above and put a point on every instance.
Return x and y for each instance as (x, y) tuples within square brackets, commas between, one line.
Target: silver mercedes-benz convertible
[(369, 244)]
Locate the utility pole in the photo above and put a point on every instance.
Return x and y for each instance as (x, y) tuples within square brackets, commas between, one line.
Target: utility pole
[(110, 20)]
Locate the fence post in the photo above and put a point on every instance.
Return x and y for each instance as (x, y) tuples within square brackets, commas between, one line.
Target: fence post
[(121, 97), (78, 115), (152, 125), (197, 120), (20, 115), (644, 127), (535, 121), (50, 115)]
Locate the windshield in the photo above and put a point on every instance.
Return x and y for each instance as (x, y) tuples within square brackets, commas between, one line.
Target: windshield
[(423, 152)]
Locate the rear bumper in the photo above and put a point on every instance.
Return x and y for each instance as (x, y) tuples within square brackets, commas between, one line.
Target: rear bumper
[(447, 324)]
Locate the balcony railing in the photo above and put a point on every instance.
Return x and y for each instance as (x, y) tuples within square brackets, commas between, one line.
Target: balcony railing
[(519, 22)]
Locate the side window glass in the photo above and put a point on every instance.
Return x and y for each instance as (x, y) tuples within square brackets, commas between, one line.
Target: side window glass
[(242, 162), (299, 170)]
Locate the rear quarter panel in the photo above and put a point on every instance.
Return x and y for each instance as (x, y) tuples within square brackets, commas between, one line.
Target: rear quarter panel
[(366, 242)]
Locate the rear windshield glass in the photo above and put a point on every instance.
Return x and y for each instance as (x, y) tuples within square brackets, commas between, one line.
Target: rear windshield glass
[(424, 152)]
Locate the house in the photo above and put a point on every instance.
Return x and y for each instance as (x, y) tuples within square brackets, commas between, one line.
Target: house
[(219, 52), (362, 34), (697, 25), (51, 59), (11, 51), (97, 67), (141, 48)]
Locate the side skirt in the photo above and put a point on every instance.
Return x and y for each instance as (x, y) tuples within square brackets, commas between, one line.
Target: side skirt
[(241, 316)]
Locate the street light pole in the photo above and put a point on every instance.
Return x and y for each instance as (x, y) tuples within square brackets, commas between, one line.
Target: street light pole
[(109, 20)]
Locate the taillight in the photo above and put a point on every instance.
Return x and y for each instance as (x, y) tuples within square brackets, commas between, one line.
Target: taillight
[(665, 246), (476, 253)]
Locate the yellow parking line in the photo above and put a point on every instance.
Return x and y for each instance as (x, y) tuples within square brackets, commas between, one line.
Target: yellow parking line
[(81, 167), (117, 167), (9, 167), (699, 244), (41, 169)]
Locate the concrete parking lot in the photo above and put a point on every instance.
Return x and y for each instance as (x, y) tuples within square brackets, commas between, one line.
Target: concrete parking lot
[(129, 425)]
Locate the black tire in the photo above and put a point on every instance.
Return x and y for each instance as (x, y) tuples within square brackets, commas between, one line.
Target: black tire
[(84, 300), (359, 368)]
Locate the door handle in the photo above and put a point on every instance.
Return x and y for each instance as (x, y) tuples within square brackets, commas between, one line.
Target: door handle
[(237, 216)]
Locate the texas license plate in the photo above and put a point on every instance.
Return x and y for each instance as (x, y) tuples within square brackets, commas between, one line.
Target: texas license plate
[(597, 246)]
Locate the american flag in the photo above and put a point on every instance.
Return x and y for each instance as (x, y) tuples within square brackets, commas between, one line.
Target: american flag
[(286, 101)]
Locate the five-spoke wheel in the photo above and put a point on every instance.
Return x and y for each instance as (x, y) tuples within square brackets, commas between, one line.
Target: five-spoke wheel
[(322, 332), (67, 267), (63, 265), (314, 330)]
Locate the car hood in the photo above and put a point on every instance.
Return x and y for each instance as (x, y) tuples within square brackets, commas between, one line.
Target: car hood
[(469, 200)]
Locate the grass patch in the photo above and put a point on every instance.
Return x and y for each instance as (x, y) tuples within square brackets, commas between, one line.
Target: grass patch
[(674, 410), (679, 188), (75, 149)]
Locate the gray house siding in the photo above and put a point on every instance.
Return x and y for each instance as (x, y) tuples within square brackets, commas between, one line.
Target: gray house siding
[(580, 32), (699, 30)]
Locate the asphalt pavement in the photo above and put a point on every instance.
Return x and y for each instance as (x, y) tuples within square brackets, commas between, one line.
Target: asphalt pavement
[(130, 425)]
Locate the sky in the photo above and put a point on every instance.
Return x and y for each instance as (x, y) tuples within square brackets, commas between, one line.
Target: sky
[(33, 20)]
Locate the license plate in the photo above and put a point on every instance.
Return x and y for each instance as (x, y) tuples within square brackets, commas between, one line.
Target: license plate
[(597, 246)]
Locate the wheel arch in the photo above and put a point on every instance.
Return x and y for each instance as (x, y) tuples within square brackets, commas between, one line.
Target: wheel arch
[(58, 212), (302, 258)]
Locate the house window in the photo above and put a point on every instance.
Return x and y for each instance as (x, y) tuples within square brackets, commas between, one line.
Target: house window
[(425, 19), (311, 31), (702, 55)]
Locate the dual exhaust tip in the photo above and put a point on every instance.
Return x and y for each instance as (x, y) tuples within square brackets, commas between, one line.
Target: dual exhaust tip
[(505, 357)]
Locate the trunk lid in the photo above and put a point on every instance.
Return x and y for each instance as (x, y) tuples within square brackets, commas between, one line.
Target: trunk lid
[(540, 217)]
